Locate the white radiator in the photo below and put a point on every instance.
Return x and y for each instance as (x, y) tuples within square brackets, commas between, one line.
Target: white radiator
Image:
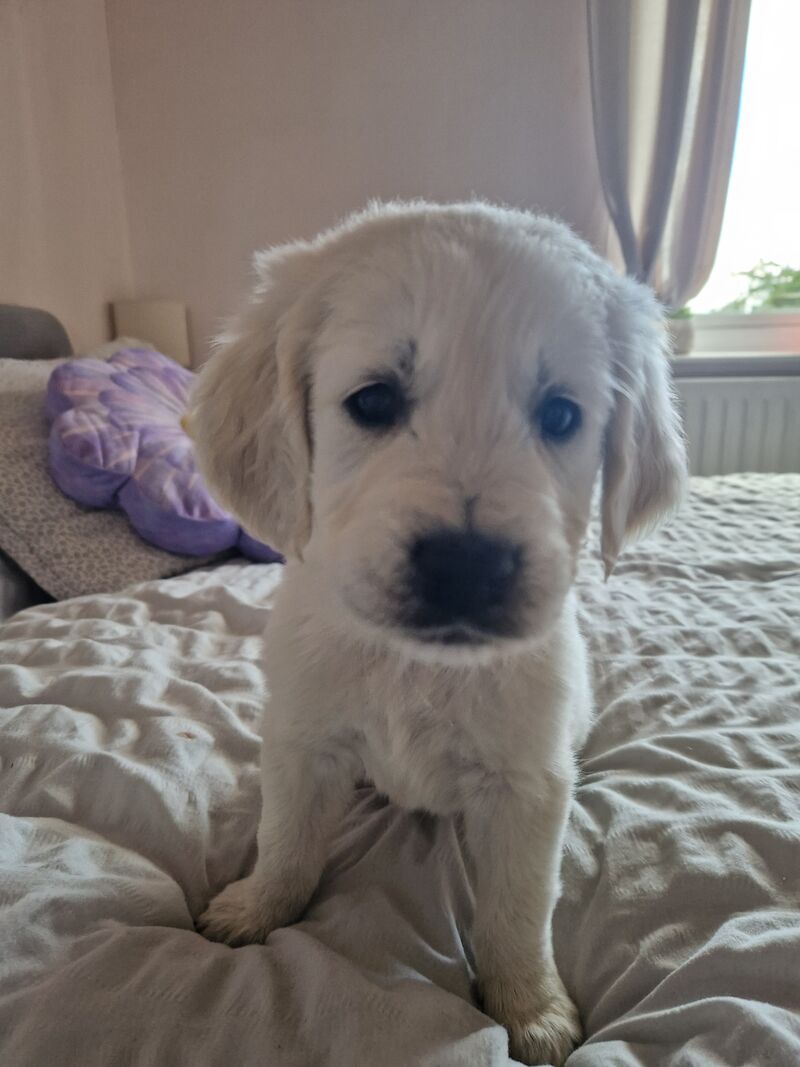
[(741, 424)]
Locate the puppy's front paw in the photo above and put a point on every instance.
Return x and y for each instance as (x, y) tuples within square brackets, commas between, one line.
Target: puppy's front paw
[(548, 1038), (239, 915), (543, 1033)]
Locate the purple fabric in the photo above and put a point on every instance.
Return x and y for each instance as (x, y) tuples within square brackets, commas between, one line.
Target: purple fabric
[(116, 440)]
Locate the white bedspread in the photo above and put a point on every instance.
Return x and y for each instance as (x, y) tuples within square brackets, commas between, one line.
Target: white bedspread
[(128, 787)]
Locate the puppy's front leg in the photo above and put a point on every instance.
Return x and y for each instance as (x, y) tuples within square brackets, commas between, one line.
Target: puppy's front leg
[(304, 795), (516, 843)]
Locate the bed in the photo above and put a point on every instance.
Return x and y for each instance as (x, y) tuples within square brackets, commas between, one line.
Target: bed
[(130, 694), (128, 792)]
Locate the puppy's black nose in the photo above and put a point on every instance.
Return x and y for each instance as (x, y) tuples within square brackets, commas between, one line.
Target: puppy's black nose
[(461, 576)]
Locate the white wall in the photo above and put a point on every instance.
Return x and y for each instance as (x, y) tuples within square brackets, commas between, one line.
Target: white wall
[(63, 234), (248, 122)]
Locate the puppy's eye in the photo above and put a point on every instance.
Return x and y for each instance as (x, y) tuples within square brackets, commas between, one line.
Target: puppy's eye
[(377, 407), (559, 418)]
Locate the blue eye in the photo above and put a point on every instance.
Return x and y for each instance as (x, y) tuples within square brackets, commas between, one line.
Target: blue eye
[(376, 407), (559, 418)]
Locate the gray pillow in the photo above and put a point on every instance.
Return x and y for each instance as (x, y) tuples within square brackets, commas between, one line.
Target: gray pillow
[(30, 333), (67, 549)]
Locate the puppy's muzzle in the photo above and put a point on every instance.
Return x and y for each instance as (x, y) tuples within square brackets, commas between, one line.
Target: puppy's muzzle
[(463, 585)]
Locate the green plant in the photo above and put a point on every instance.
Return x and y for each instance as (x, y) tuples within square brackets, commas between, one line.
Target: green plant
[(681, 313), (770, 287)]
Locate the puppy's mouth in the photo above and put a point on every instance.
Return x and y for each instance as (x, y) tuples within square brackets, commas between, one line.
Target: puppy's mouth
[(412, 629), (459, 642), (455, 635), (441, 625)]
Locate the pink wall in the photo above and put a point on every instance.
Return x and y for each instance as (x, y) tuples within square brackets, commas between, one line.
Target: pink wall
[(63, 233), (248, 122)]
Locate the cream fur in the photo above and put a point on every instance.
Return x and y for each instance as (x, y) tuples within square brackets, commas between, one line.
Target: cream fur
[(500, 305)]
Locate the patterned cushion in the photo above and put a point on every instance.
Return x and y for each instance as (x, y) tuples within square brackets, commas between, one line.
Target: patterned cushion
[(66, 548)]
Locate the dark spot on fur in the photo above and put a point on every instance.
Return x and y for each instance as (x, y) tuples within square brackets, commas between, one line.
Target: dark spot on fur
[(407, 354)]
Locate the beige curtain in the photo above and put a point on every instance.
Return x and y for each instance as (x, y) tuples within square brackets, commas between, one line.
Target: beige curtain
[(63, 230), (666, 80)]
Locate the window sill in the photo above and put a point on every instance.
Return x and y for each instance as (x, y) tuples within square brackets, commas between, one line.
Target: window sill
[(772, 332), (704, 364)]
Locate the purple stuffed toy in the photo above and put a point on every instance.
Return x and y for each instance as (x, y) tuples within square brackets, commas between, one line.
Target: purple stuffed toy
[(117, 440)]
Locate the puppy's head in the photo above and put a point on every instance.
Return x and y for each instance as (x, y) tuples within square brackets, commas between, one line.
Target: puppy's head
[(418, 405)]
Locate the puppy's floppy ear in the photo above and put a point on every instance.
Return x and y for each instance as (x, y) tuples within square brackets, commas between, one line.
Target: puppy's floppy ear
[(250, 406), (644, 464)]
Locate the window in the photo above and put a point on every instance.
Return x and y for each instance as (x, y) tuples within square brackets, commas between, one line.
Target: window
[(762, 213)]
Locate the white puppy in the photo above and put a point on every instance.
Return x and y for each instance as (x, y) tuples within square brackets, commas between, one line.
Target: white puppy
[(415, 407)]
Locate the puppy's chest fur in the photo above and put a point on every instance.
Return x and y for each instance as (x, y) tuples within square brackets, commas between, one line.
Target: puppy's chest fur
[(422, 748), (428, 736)]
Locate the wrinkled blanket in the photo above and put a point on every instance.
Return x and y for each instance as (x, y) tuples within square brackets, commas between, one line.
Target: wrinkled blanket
[(128, 787)]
